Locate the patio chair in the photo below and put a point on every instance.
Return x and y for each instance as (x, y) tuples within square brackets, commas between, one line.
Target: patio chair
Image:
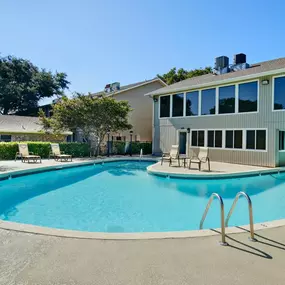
[(203, 157), (171, 156), (57, 154), (26, 155)]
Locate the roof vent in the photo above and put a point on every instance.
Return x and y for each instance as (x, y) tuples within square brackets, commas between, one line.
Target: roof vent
[(221, 65)]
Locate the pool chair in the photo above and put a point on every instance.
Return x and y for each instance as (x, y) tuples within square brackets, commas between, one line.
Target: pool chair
[(203, 157), (171, 156), (57, 154), (26, 155)]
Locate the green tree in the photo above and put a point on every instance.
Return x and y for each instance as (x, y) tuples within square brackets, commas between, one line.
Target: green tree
[(23, 84), (93, 116), (174, 76)]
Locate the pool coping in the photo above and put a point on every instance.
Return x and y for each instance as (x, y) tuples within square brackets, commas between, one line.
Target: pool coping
[(33, 229), (162, 173)]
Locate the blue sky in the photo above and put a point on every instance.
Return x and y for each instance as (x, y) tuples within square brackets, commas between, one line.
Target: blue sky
[(97, 42)]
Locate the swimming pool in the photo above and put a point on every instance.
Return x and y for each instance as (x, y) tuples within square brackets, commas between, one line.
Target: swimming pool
[(122, 197)]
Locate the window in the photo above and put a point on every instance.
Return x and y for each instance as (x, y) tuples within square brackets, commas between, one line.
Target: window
[(164, 106), (281, 140), (208, 101), (5, 138), (256, 139), (177, 105), (279, 93), (234, 139), (238, 139), (247, 96), (192, 99), (215, 138), (227, 99), (198, 138)]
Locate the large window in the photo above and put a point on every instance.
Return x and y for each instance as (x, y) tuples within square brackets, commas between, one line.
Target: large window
[(215, 139), (256, 139), (208, 101), (247, 96), (279, 93), (192, 99), (227, 99), (177, 105), (198, 138), (164, 106), (5, 138)]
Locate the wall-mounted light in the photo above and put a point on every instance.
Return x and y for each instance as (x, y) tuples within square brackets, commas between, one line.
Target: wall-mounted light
[(188, 130), (155, 99), (265, 82)]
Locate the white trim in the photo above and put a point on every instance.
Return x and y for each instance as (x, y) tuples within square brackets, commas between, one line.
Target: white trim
[(272, 88), (244, 134), (224, 81)]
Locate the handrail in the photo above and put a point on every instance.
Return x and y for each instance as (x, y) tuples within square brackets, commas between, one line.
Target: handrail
[(223, 242), (252, 238)]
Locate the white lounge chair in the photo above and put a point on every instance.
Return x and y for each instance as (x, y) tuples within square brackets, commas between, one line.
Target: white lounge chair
[(172, 155), (203, 157), (57, 154), (26, 155)]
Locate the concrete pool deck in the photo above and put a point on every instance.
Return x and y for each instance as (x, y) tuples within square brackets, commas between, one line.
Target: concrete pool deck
[(218, 169), (48, 260)]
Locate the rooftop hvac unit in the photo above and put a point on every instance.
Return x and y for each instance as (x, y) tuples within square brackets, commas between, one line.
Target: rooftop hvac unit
[(221, 62), (239, 58)]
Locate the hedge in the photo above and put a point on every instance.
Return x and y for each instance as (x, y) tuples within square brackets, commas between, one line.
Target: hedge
[(123, 147), (8, 149)]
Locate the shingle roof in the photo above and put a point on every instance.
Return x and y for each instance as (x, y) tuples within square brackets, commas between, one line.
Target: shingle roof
[(125, 87), (20, 124), (199, 81)]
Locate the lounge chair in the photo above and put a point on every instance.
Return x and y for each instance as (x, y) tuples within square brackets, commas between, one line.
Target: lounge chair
[(203, 157), (57, 154), (26, 155), (171, 156)]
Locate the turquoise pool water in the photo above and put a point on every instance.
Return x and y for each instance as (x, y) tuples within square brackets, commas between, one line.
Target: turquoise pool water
[(122, 197)]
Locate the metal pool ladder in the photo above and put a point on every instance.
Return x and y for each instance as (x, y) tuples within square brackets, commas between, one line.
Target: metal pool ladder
[(252, 238), (223, 242)]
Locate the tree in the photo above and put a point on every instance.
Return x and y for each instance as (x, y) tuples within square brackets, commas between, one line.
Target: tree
[(94, 116), (174, 76), (23, 84)]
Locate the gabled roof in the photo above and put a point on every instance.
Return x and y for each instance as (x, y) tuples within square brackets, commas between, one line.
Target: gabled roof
[(254, 71), (21, 124), (129, 87)]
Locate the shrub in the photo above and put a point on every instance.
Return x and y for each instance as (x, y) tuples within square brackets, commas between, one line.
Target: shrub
[(120, 147), (9, 149)]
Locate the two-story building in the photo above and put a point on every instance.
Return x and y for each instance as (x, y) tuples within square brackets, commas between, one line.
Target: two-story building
[(238, 111), (141, 115)]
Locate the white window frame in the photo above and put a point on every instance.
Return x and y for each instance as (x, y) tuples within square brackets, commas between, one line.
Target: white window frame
[(215, 130), (197, 130), (170, 111), (217, 88), (242, 143), (184, 105), (280, 130), (273, 92), (244, 133)]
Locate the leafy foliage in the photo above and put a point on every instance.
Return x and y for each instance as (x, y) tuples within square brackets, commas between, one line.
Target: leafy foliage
[(23, 84), (174, 76), (9, 149), (94, 116), (119, 147)]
